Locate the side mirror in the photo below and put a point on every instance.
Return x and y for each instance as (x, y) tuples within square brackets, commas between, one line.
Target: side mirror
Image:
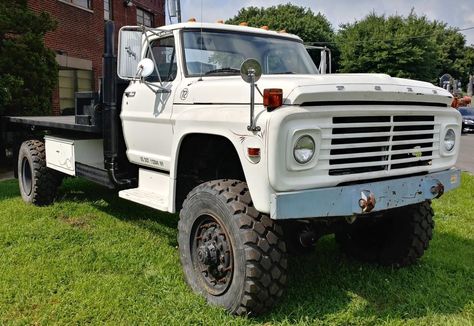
[(145, 68), (129, 52), (250, 70)]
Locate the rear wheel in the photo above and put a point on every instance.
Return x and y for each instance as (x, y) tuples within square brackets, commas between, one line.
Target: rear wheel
[(398, 239), (38, 184), (231, 254)]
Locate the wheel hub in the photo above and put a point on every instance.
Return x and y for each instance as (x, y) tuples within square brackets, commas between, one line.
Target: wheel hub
[(213, 255), (207, 254)]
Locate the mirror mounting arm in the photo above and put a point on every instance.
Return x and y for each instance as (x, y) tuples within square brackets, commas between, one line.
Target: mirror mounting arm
[(155, 88), (152, 57), (252, 126), (251, 71)]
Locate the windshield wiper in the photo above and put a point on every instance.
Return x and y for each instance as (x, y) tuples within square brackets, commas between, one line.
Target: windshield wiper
[(283, 73), (223, 70)]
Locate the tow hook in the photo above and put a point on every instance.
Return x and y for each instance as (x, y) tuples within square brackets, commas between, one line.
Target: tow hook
[(367, 201), (438, 190)]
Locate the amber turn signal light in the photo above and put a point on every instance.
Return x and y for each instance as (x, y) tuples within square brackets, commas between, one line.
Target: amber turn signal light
[(272, 98)]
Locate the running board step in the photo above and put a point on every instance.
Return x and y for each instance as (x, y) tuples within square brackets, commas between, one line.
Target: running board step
[(146, 198), (152, 191)]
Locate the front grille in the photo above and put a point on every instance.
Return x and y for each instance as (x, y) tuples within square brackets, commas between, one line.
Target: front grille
[(364, 144)]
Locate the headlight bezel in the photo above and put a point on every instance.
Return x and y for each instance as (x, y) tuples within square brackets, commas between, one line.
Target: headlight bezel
[(457, 132), (303, 128), (449, 144)]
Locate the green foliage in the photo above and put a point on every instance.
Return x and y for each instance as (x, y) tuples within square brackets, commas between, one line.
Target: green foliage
[(466, 65), (394, 45), (28, 70), (454, 57), (410, 47), (293, 19)]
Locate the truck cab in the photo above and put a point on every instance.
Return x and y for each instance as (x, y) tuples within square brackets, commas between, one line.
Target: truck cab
[(259, 150), (360, 127)]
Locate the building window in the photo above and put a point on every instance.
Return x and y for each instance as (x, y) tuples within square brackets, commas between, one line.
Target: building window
[(81, 3), (70, 82), (108, 10), (144, 18)]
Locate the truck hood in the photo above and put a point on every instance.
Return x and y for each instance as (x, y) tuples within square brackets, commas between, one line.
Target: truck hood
[(299, 89)]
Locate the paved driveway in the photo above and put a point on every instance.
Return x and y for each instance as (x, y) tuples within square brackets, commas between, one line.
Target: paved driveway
[(466, 156), (6, 175)]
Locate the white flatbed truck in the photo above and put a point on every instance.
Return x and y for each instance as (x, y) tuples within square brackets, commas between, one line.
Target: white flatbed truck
[(257, 167)]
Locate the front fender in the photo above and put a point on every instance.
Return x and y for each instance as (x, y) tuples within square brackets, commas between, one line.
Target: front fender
[(230, 122)]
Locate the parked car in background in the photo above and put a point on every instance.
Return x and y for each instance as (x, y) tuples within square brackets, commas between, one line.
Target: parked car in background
[(467, 119)]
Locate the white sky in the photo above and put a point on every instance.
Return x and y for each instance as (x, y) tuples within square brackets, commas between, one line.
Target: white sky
[(458, 13)]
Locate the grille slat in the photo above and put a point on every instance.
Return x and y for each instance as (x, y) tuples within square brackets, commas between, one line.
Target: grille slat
[(377, 124), (381, 162), (383, 134), (375, 143), (385, 153)]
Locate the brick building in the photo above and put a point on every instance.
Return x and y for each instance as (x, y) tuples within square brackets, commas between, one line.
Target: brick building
[(79, 38)]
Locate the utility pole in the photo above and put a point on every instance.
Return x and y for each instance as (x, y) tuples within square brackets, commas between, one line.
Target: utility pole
[(178, 5), (469, 86)]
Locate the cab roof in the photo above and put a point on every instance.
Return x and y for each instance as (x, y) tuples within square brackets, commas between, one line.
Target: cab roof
[(227, 27)]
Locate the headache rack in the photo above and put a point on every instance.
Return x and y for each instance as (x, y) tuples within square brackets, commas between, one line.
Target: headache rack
[(361, 144)]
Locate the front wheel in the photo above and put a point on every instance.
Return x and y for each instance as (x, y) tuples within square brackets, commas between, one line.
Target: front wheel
[(399, 238), (231, 254)]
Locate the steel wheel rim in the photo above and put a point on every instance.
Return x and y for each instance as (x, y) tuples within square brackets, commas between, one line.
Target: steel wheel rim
[(211, 254), (26, 176)]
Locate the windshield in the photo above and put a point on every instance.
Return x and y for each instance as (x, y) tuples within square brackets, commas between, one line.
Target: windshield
[(221, 53), (466, 111)]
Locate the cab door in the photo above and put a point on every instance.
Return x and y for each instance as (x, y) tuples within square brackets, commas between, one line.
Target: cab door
[(147, 106)]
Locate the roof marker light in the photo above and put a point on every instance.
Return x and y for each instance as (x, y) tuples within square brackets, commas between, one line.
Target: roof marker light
[(265, 27), (192, 20), (243, 24)]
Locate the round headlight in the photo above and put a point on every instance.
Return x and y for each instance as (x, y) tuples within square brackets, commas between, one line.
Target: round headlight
[(449, 140), (304, 149)]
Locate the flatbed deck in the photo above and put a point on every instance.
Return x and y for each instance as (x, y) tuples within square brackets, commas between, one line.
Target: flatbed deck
[(53, 122)]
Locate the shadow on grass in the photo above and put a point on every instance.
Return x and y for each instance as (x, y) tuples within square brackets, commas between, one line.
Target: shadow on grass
[(107, 201), (326, 283)]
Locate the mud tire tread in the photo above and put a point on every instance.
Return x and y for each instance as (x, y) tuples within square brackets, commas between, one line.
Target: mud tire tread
[(264, 247)]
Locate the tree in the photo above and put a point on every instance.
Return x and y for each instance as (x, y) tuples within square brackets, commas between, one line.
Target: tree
[(401, 47), (293, 19), (312, 28), (411, 47), (453, 54), (28, 70)]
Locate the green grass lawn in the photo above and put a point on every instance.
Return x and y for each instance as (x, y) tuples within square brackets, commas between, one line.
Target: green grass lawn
[(93, 258)]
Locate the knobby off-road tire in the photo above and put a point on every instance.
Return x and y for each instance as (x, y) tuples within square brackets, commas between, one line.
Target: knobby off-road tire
[(398, 239), (38, 184), (219, 223)]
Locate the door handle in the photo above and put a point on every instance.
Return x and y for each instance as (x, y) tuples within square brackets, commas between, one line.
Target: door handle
[(129, 94)]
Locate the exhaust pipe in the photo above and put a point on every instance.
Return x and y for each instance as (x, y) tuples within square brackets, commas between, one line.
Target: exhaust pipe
[(109, 103)]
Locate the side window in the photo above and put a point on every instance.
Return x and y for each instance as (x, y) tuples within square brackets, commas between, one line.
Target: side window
[(164, 53)]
